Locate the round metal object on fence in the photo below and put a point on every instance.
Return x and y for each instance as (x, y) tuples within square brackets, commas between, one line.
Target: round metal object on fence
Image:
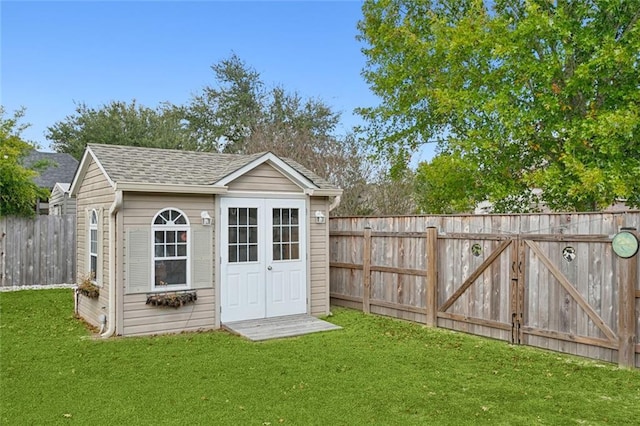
[(569, 253), (625, 244)]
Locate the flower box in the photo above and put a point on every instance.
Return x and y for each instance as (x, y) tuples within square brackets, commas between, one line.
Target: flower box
[(173, 299)]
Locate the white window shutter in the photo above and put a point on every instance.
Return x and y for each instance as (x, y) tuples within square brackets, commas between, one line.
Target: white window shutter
[(87, 244), (100, 237), (138, 260), (202, 257)]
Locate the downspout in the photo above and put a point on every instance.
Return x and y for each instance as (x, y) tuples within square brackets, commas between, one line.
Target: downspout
[(335, 203), (113, 212)]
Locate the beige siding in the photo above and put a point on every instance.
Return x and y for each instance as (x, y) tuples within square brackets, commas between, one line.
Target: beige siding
[(319, 258), (264, 178), (61, 203), (138, 212), (143, 319), (94, 193)]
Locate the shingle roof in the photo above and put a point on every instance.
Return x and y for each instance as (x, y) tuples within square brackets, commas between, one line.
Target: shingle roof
[(167, 166), (61, 167)]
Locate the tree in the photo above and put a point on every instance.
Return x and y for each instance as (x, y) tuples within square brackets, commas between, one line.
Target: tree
[(240, 114), (447, 184), (121, 123), (222, 117), (18, 191), (533, 94)]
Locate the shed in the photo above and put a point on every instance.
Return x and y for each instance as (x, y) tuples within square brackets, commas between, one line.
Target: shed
[(224, 237), (60, 200)]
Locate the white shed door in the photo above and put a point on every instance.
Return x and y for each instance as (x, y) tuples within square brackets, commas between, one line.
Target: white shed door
[(263, 258)]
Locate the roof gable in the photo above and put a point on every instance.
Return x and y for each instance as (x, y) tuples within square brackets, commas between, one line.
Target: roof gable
[(274, 161), (60, 187), (166, 170)]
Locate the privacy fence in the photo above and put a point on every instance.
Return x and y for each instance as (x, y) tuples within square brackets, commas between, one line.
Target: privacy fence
[(37, 251), (549, 280)]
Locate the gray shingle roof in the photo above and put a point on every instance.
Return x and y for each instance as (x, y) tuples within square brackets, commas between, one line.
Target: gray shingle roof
[(167, 166), (61, 167)]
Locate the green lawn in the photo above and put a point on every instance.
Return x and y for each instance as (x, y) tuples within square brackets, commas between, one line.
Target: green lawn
[(375, 370)]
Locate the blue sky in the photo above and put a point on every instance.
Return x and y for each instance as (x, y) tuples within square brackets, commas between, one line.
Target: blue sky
[(57, 53)]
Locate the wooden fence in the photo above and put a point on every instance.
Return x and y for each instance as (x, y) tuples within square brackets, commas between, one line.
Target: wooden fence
[(37, 251), (549, 280)]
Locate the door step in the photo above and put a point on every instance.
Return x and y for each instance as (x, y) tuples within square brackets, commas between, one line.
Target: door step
[(279, 327)]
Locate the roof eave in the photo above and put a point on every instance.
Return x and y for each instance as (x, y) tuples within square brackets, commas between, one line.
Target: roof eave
[(169, 188), (327, 192)]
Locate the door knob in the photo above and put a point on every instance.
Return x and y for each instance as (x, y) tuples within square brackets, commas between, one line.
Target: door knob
[(269, 267)]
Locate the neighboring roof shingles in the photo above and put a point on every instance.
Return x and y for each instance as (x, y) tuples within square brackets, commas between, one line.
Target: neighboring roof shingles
[(61, 167), (167, 166)]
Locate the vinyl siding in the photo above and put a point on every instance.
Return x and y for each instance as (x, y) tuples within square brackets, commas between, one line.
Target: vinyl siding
[(319, 257), (66, 203), (138, 212), (264, 178), (94, 193), (141, 319)]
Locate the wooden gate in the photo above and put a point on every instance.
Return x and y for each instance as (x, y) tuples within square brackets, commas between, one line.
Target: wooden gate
[(553, 291), (489, 301), (570, 294)]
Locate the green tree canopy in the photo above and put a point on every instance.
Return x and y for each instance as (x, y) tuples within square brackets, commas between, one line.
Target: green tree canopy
[(447, 184), (18, 192), (533, 94), (241, 114), (121, 123)]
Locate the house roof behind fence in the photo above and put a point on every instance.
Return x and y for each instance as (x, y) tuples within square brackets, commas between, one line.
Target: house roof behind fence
[(58, 167)]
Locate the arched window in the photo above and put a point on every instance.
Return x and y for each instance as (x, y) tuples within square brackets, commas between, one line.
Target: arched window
[(93, 245), (170, 249)]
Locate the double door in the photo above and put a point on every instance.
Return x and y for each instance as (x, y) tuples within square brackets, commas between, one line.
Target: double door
[(263, 267)]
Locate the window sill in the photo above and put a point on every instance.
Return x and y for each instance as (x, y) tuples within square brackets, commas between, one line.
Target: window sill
[(173, 299)]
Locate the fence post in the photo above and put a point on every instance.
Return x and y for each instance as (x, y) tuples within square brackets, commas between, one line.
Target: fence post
[(3, 250), (431, 301), (627, 309), (366, 270)]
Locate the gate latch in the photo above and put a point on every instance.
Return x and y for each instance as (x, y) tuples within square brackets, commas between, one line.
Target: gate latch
[(516, 323)]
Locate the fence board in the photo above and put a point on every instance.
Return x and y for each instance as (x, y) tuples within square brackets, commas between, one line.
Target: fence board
[(37, 251)]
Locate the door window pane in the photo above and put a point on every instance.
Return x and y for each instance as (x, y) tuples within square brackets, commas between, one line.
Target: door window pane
[(242, 253)]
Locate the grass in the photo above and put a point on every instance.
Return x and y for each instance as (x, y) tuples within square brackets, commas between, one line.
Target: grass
[(375, 370)]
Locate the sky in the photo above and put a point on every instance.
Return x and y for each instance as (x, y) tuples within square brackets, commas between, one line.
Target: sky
[(55, 55)]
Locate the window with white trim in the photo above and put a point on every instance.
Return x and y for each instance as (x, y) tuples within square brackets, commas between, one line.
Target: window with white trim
[(243, 234), (93, 245), (286, 234), (170, 249)]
